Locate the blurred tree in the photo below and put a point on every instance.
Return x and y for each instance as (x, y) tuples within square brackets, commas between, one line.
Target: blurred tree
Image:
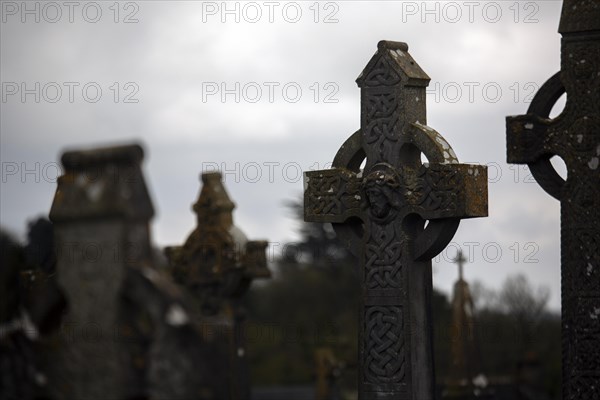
[(16, 358), (483, 297), (518, 332), (525, 304), (311, 303), (39, 251), (12, 261), (318, 244)]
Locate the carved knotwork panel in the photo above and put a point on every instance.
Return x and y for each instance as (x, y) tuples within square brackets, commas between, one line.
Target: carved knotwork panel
[(331, 195), (384, 345), (382, 108), (436, 189), (381, 74), (383, 267), (383, 122)]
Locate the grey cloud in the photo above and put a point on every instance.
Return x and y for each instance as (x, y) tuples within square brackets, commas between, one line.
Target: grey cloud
[(170, 53)]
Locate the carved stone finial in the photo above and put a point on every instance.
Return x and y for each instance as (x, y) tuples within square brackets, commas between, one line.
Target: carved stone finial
[(214, 207)]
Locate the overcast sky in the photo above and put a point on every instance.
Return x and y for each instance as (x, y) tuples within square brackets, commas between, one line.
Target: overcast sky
[(264, 90)]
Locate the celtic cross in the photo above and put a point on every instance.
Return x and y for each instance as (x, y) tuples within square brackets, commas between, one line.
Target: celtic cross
[(574, 135), (218, 263), (380, 213)]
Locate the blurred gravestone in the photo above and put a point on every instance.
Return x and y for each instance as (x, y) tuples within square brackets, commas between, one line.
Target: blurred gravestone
[(574, 135), (217, 264), (126, 334)]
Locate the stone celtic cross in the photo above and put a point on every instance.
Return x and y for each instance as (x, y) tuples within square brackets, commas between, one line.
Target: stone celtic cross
[(217, 263), (574, 135), (380, 213)]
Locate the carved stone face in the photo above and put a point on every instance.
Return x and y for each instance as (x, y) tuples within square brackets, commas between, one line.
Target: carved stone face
[(381, 191), (378, 201)]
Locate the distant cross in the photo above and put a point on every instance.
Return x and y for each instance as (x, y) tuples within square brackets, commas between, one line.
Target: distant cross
[(460, 260), (380, 214), (465, 359), (574, 135), (218, 264)]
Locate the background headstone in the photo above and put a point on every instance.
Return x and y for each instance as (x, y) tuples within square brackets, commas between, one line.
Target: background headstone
[(127, 333), (574, 135)]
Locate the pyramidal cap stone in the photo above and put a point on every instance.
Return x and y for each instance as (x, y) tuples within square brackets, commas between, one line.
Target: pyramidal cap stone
[(404, 68)]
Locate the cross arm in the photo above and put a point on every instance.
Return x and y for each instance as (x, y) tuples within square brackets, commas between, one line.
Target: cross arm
[(534, 136), (447, 191), (332, 195), (530, 138)]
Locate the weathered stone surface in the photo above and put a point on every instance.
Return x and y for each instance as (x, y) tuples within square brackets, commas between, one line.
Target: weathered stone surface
[(379, 212), (574, 135)]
